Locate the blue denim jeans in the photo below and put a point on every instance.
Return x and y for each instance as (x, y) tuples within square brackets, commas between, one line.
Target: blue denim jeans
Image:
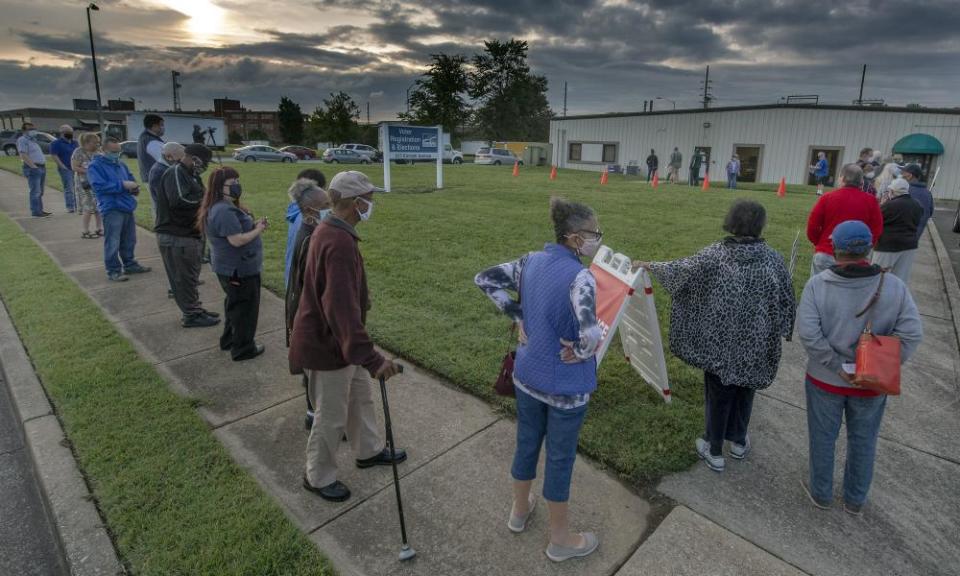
[(69, 197), (825, 410), (36, 180), (731, 181), (119, 241), (561, 428)]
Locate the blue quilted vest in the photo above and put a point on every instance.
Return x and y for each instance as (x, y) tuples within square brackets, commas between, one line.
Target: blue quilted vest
[(548, 316)]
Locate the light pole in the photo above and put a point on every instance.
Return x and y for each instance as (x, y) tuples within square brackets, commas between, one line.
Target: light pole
[(96, 77), (408, 95), (668, 100)]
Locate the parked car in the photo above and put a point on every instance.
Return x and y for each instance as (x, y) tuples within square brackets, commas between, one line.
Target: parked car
[(450, 156), (496, 156), (368, 151), (262, 154), (8, 141), (301, 152), (128, 149), (344, 156)]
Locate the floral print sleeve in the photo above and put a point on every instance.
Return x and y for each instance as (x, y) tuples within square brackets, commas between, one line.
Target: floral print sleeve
[(583, 297), (498, 281)]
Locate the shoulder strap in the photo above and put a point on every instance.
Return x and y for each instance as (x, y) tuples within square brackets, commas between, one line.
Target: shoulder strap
[(875, 297)]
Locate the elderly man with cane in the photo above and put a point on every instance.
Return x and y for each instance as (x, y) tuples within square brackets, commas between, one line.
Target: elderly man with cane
[(330, 344)]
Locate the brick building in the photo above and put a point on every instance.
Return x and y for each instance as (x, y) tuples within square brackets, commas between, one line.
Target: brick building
[(243, 122)]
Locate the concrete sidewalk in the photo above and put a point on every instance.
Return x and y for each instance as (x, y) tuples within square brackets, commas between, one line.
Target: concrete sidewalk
[(753, 519)]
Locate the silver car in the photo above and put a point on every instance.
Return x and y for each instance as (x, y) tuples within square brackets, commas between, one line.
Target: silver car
[(263, 154), (496, 156), (364, 149), (344, 156)]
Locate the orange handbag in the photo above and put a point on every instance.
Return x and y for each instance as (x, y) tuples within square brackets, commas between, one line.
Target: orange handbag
[(878, 357)]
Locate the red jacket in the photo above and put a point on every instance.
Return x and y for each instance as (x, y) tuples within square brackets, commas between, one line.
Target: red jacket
[(840, 205), (328, 330)]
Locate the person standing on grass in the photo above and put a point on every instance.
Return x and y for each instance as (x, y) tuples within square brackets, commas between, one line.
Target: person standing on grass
[(653, 163), (833, 312), (331, 346), (733, 302), (820, 171), (733, 170), (898, 243), (116, 192), (237, 258), (293, 220), (556, 366), (178, 202), (61, 150), (676, 161), (696, 162), (913, 174), (34, 168), (845, 203), (150, 145), (313, 205), (86, 201)]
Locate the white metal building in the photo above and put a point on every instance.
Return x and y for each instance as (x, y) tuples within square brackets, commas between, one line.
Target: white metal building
[(773, 141)]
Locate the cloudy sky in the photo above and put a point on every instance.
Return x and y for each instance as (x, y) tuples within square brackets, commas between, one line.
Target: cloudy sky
[(614, 54)]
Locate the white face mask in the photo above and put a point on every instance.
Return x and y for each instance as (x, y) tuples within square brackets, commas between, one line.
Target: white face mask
[(589, 247), (366, 215)]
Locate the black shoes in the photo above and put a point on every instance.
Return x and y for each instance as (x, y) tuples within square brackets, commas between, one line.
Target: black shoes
[(258, 349), (200, 320), (382, 459), (210, 313), (136, 269), (336, 492)]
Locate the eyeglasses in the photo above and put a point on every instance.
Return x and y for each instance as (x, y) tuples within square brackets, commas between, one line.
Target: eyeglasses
[(595, 234)]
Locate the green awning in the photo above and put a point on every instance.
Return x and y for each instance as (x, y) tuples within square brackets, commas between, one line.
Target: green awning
[(918, 144)]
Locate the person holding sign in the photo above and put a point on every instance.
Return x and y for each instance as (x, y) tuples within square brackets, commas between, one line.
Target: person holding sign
[(732, 303), (556, 367)]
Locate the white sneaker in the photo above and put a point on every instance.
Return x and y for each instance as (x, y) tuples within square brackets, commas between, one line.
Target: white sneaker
[(561, 553), (518, 524), (715, 463), (740, 451)]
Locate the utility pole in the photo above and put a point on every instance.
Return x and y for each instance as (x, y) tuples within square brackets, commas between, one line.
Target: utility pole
[(564, 99), (368, 112), (96, 77), (707, 95), (176, 90), (863, 77)]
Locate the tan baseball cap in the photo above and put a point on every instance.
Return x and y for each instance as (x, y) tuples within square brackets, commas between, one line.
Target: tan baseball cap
[(351, 184)]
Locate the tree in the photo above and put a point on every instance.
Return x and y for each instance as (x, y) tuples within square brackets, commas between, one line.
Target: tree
[(336, 121), (257, 134), (438, 98), (512, 101), (290, 121)]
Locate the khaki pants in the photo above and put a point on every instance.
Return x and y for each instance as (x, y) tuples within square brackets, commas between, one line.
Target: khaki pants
[(674, 174), (343, 400)]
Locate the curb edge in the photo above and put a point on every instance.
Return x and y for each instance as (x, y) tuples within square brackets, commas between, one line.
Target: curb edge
[(949, 277)]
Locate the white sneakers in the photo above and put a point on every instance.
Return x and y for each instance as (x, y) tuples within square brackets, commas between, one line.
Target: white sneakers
[(518, 524), (740, 451), (715, 463)]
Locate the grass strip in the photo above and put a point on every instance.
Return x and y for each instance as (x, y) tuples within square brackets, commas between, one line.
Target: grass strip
[(173, 498)]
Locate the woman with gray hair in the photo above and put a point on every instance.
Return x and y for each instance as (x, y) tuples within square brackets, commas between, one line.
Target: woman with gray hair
[(313, 204), (556, 368), (732, 303)]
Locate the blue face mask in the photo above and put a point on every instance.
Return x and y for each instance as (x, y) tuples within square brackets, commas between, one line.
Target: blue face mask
[(112, 156)]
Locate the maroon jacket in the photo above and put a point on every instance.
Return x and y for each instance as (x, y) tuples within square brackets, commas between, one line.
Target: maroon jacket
[(328, 330)]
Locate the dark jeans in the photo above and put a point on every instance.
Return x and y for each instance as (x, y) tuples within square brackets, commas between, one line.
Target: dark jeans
[(181, 260), (731, 181), (119, 241), (694, 177), (727, 412), (241, 309), (36, 180), (650, 173)]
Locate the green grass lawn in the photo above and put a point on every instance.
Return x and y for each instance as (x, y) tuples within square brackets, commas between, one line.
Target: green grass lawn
[(422, 249)]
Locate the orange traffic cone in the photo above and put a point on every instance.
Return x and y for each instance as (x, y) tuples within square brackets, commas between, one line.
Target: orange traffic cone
[(516, 168), (603, 177), (782, 188), (656, 179), (553, 172), (706, 182)]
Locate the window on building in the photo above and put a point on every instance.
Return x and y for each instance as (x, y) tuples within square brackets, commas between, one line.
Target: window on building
[(610, 153), (576, 150)]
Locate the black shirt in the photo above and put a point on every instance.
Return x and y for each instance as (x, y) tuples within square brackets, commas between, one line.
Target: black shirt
[(901, 220), (178, 201)]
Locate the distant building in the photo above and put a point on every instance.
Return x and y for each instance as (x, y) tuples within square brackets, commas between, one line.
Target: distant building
[(773, 141), (244, 122), (50, 119), (84, 104), (222, 105), (121, 105)]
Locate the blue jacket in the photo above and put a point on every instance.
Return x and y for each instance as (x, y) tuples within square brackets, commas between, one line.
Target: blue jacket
[(548, 317), (106, 177), (923, 197), (293, 226), (822, 168)]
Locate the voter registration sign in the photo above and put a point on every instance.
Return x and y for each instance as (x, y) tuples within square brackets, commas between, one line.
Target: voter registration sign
[(410, 143)]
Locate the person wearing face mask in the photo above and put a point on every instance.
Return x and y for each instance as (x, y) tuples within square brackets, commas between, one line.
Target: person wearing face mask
[(61, 150), (116, 192), (733, 302), (237, 259), (34, 168), (313, 205), (293, 220), (556, 368), (179, 194), (330, 344)]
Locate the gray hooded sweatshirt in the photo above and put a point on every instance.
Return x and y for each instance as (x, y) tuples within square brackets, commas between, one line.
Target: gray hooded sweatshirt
[(827, 322)]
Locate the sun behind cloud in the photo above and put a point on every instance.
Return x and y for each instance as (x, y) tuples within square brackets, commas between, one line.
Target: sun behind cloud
[(206, 23)]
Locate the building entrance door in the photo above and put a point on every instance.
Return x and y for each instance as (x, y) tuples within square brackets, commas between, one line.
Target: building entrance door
[(749, 162), (833, 158)]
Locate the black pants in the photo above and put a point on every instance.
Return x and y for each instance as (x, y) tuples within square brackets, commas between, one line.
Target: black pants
[(694, 176), (181, 260), (650, 172), (727, 412), (241, 309)]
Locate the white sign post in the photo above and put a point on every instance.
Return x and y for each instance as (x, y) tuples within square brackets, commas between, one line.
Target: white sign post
[(403, 142)]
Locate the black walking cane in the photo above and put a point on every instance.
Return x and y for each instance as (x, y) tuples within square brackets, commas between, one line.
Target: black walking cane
[(406, 552)]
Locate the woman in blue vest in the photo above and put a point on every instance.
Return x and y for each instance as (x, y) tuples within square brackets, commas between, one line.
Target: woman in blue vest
[(556, 370)]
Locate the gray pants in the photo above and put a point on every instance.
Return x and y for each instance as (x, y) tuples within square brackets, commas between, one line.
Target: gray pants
[(181, 260), (898, 263), (821, 262)]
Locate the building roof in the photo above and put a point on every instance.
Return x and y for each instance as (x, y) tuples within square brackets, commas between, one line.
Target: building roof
[(901, 109), (918, 144), (60, 112)]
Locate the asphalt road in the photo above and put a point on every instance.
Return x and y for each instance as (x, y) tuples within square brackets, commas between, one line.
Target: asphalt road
[(943, 215)]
